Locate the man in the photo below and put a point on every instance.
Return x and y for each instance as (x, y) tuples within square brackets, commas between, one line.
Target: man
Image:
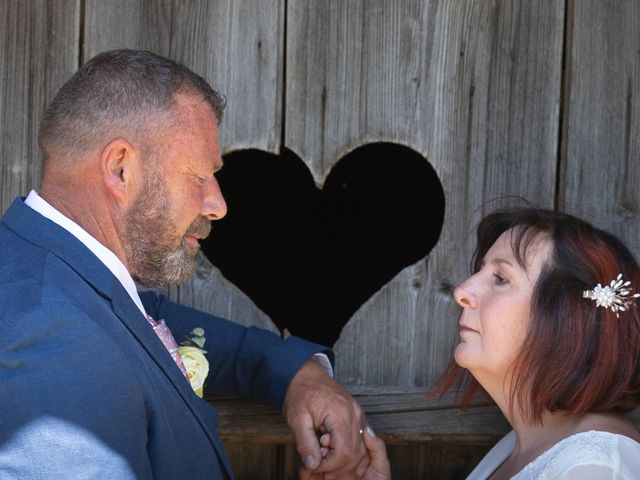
[(88, 387)]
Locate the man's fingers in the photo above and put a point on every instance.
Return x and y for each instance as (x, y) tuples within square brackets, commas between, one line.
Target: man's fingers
[(307, 444), (362, 466), (315, 403), (346, 447)]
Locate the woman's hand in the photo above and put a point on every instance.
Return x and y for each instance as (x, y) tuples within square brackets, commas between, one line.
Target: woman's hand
[(379, 468)]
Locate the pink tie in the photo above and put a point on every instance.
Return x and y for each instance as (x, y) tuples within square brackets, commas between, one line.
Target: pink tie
[(165, 336)]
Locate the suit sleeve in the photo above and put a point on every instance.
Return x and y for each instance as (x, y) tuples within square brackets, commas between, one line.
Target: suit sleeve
[(250, 362)]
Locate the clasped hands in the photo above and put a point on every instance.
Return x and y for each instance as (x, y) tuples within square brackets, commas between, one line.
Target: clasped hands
[(314, 404)]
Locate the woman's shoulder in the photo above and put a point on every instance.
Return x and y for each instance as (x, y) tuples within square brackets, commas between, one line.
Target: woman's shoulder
[(578, 454), (492, 460), (596, 447)]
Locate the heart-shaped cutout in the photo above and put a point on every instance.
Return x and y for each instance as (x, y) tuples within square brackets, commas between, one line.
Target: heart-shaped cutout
[(309, 257)]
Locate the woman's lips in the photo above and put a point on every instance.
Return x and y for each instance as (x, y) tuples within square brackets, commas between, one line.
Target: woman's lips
[(464, 328)]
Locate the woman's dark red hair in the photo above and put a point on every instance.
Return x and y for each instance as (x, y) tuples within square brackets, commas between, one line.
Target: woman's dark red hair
[(576, 357)]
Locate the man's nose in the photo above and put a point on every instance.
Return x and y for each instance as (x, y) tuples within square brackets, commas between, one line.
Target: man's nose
[(464, 297), (213, 205)]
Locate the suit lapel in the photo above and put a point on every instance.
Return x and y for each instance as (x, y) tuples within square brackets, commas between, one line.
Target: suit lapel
[(39, 230), (133, 319)]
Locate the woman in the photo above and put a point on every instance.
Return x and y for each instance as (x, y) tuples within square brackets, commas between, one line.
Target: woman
[(558, 352)]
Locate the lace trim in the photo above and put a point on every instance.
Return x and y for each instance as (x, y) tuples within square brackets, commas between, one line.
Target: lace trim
[(591, 447)]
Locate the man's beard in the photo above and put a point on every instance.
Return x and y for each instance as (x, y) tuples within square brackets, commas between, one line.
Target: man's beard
[(156, 254)]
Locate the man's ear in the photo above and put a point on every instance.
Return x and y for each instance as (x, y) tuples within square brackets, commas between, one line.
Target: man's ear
[(121, 169)]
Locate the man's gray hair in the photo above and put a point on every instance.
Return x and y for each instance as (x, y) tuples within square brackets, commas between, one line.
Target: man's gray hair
[(119, 92)]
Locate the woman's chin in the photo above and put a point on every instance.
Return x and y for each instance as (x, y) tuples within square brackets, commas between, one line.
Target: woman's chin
[(461, 355)]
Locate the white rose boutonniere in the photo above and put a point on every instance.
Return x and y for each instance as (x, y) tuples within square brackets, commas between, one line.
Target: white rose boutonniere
[(196, 364)]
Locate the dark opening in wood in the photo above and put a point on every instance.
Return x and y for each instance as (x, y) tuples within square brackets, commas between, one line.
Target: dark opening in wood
[(309, 257)]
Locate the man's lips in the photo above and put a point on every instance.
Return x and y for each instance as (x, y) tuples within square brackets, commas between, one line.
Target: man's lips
[(199, 230), (193, 239)]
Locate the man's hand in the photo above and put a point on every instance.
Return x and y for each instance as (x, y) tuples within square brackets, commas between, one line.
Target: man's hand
[(375, 467), (316, 405)]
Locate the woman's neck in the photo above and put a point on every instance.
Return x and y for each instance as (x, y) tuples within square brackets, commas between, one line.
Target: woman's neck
[(555, 426), (535, 438)]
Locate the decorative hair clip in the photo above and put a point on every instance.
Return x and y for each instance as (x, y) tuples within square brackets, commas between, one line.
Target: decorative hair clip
[(615, 296)]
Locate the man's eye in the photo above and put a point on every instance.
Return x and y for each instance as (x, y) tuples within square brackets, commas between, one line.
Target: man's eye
[(199, 180), (499, 279)]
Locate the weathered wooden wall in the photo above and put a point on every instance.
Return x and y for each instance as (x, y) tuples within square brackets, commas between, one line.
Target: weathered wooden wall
[(39, 43), (600, 158), (538, 99)]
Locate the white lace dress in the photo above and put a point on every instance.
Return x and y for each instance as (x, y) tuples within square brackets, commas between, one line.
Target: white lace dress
[(584, 456)]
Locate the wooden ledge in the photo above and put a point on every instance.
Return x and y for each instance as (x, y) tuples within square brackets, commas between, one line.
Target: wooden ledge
[(401, 416), (398, 417)]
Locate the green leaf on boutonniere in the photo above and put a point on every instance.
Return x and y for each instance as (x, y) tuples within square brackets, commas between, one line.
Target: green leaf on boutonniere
[(198, 332)]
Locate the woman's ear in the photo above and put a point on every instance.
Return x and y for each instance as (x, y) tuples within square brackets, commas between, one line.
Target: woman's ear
[(120, 168)]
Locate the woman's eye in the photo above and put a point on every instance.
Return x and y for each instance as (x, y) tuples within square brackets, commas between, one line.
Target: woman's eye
[(499, 279)]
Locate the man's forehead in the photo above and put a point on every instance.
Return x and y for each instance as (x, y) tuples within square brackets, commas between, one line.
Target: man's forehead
[(191, 113), (194, 102)]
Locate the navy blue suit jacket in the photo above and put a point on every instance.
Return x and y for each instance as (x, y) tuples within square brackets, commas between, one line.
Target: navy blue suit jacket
[(87, 390)]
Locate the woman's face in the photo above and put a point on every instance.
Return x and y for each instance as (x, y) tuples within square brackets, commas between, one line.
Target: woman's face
[(496, 303)]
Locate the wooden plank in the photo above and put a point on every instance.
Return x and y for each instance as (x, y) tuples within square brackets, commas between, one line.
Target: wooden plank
[(255, 462), (600, 164), (474, 87), (39, 48), (434, 460), (398, 418), (138, 24), (236, 45)]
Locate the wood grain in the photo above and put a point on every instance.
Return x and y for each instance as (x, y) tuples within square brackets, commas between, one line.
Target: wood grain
[(39, 51), (398, 418), (600, 163), (236, 45)]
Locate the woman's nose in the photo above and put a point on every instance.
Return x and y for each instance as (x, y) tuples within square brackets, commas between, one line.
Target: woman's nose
[(464, 297)]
